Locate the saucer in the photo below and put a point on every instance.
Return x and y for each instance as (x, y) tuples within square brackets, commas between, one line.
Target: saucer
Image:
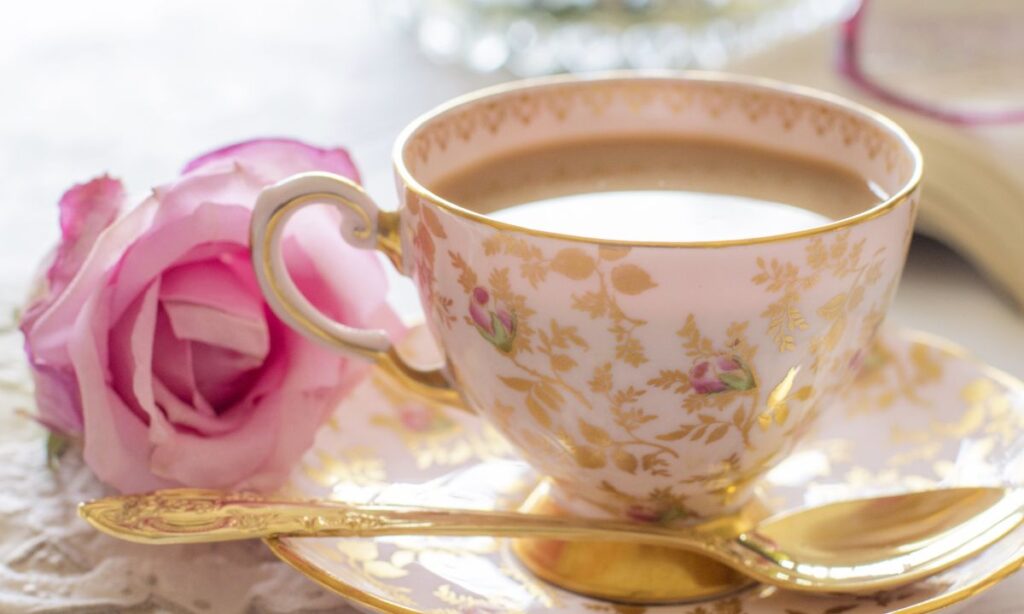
[(921, 414)]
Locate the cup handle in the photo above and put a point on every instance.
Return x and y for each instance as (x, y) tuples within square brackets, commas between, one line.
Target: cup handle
[(363, 225)]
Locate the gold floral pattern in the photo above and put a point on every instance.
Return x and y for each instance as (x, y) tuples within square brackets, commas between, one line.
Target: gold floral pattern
[(838, 258), (967, 403), (599, 416), (485, 118), (430, 432), (563, 344)]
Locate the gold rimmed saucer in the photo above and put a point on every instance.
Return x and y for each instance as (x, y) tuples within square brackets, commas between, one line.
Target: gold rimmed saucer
[(922, 414)]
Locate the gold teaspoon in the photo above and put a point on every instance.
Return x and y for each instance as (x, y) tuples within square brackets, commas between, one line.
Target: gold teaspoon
[(850, 546)]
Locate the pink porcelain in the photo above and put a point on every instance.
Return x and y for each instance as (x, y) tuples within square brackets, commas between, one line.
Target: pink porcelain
[(649, 380)]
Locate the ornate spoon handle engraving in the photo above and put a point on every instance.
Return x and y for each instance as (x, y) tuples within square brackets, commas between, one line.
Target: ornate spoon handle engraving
[(196, 516)]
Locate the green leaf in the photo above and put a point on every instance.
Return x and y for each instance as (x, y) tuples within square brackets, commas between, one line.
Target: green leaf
[(737, 381), (56, 446)]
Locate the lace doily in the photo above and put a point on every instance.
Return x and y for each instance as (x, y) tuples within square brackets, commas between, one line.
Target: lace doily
[(52, 561)]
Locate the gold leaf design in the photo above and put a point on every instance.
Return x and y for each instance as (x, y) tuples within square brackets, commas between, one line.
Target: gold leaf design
[(676, 435), (492, 245), (574, 263), (927, 367), (834, 307), (612, 252), (540, 415), (433, 223), (517, 383), (594, 304), (548, 395), (674, 378), (467, 277), (629, 395), (588, 457), (563, 336), (594, 434), (835, 333), (631, 351), (625, 461), (602, 380), (778, 407), (695, 345), (631, 279), (384, 569), (718, 433), (562, 362)]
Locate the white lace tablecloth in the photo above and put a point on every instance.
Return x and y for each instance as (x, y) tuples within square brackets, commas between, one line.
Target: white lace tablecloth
[(50, 561), (136, 89)]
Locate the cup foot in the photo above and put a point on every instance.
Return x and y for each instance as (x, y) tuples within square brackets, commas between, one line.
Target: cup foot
[(631, 573)]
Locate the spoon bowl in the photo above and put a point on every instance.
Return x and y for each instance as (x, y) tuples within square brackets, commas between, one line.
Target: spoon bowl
[(850, 546)]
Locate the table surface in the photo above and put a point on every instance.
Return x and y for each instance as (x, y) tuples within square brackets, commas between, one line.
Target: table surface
[(137, 89)]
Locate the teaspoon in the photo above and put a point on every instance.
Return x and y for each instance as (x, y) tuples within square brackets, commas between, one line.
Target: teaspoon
[(850, 546)]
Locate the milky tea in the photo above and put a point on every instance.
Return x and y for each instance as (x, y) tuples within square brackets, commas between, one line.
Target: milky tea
[(658, 189)]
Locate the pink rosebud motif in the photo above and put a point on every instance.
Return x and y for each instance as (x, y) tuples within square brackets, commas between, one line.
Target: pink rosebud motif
[(865, 362), (421, 419), (649, 513), (643, 513), (149, 338), (495, 324), (720, 374), (414, 419)]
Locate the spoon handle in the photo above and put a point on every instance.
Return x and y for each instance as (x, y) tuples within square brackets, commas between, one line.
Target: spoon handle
[(184, 516)]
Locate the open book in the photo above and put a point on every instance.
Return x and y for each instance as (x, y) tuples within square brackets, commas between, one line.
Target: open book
[(973, 195)]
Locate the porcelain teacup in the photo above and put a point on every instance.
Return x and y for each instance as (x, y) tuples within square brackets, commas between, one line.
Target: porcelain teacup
[(706, 362)]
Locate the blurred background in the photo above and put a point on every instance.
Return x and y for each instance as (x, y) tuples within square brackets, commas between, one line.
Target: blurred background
[(135, 89)]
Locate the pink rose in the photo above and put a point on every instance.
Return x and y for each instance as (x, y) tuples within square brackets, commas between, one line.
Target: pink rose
[(149, 337), (719, 374)]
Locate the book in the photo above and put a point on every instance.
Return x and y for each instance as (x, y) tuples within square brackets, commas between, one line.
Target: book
[(973, 188)]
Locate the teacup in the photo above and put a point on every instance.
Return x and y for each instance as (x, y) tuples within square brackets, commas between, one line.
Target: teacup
[(713, 358)]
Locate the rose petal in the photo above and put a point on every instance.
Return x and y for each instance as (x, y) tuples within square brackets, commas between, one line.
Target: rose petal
[(116, 439), (182, 414), (50, 331), (222, 461), (327, 269), (56, 394), (228, 186), (222, 375), (277, 158), (164, 246), (122, 351), (213, 327), (86, 210), (175, 367), (207, 303), (226, 461), (139, 352), (211, 283)]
